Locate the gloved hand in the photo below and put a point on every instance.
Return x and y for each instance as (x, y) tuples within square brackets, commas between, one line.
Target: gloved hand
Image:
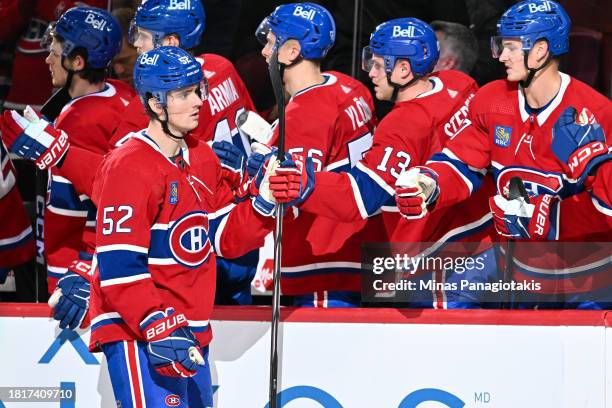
[(70, 300), (256, 159), (259, 189), (173, 350), (233, 162), (416, 190), (579, 142), (32, 137), (293, 181), (518, 218)]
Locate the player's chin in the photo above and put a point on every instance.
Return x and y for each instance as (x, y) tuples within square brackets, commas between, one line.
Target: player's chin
[(191, 124)]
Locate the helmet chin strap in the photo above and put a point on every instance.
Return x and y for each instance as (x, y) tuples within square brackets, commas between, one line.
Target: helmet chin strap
[(532, 71), (164, 124), (397, 87), (69, 77)]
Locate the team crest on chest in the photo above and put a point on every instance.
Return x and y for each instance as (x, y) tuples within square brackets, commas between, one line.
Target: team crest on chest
[(174, 192), (502, 136), (188, 239)]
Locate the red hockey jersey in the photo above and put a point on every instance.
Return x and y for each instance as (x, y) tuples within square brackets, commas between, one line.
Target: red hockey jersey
[(505, 138), (227, 98), (90, 121), (30, 79), (407, 137), (332, 123), (16, 237), (160, 222)]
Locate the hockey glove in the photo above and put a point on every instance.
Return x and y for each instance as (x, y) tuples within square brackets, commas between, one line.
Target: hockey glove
[(173, 350), (293, 180), (256, 159), (416, 190), (535, 219), (33, 138), (579, 142), (233, 162), (261, 195), (70, 300)]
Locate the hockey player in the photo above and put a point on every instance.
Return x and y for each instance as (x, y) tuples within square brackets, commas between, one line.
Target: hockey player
[(181, 24), (16, 238), (509, 131), (164, 213), (428, 112), (329, 117), (166, 22), (81, 46), (29, 19)]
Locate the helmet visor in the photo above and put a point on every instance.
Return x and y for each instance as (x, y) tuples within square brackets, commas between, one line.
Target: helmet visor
[(261, 33), (367, 61), (47, 38), (136, 33), (511, 44), (133, 32), (202, 90)]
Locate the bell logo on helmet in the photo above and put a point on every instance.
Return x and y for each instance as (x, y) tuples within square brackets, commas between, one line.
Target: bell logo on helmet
[(406, 32), (544, 6), (300, 12), (144, 60), (97, 24), (179, 5)]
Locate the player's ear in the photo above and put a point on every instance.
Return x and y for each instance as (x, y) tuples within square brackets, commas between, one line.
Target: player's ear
[(171, 40), (155, 106), (541, 49), (293, 50), (449, 63), (404, 69), (76, 63)]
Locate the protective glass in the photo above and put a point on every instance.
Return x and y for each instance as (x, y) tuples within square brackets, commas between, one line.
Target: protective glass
[(498, 46), (202, 90), (368, 62), (262, 31), (47, 38), (135, 33)]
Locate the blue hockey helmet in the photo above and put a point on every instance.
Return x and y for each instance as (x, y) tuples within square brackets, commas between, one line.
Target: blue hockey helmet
[(308, 23), (165, 69), (91, 28), (185, 18), (531, 21), (403, 38)]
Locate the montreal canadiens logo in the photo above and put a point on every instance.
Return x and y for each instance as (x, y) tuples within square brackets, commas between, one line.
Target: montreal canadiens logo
[(173, 400), (189, 241)]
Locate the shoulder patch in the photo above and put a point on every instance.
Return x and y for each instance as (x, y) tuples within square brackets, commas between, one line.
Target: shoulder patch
[(502, 136)]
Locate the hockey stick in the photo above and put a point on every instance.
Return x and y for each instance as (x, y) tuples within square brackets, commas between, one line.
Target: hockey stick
[(516, 189), (50, 110), (275, 69)]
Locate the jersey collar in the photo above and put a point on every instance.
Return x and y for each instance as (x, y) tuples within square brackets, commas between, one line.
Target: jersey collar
[(328, 79), (542, 116), (437, 87), (106, 92), (142, 136)]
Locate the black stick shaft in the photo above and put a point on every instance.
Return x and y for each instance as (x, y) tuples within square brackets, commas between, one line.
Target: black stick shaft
[(276, 77), (516, 190)]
